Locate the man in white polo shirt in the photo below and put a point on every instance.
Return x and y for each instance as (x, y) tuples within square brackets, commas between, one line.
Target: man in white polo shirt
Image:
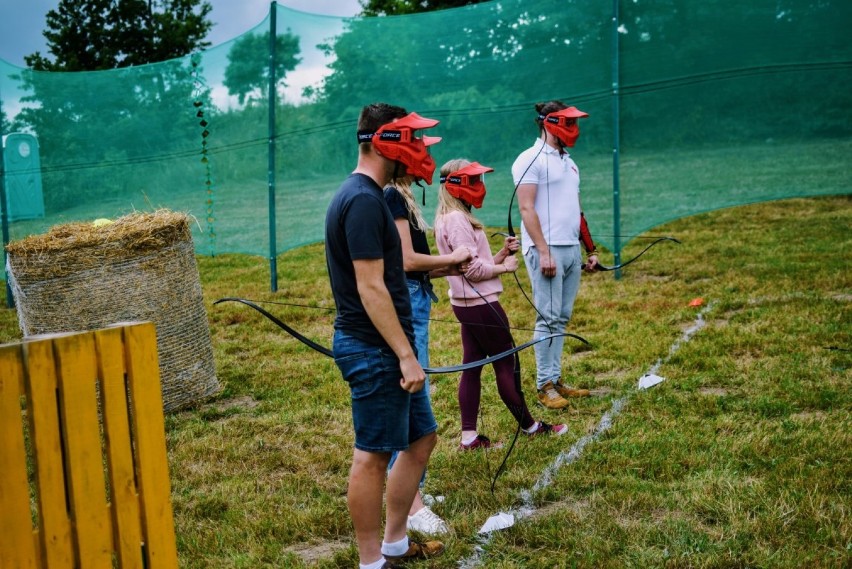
[(552, 229)]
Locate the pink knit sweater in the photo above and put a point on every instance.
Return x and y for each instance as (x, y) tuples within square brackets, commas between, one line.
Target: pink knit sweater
[(453, 230)]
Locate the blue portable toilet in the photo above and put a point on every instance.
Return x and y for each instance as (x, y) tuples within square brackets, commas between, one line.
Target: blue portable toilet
[(22, 176)]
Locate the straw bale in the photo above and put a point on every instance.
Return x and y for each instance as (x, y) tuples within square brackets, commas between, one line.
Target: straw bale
[(78, 276)]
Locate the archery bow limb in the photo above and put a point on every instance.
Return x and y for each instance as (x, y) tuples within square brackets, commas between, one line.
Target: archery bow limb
[(304, 339), (430, 370), (602, 268)]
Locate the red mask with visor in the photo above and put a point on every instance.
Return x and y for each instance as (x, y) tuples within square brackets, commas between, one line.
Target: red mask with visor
[(466, 183), (396, 141), (563, 124)]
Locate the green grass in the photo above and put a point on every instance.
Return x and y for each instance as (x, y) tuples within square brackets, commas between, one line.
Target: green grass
[(739, 459)]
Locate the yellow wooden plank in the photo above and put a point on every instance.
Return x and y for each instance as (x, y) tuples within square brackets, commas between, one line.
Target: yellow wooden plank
[(17, 548), (118, 445), (37, 545), (76, 378), (143, 377), (45, 435)]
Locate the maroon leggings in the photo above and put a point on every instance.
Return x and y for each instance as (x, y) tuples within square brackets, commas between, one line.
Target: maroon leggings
[(485, 332)]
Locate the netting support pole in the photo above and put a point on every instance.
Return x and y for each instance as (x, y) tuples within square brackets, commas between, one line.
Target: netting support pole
[(616, 141), (273, 247), (4, 214), (10, 301)]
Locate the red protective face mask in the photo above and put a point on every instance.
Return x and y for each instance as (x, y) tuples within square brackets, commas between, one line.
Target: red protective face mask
[(396, 141), (563, 124), (466, 183)]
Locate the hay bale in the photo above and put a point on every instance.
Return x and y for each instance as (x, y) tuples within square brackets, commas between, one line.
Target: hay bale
[(84, 276)]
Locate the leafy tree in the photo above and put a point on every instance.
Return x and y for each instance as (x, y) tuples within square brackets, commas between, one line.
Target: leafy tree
[(93, 35), (247, 72), (98, 130), (5, 125), (491, 41), (399, 7), (89, 123)]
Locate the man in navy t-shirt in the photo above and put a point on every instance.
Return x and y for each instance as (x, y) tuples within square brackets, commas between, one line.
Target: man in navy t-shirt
[(373, 338)]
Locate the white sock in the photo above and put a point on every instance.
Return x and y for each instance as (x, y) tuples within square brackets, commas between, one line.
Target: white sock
[(532, 429), (396, 548), (470, 440), (374, 565)]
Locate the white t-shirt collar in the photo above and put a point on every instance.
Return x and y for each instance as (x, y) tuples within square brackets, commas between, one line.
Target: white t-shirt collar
[(548, 149)]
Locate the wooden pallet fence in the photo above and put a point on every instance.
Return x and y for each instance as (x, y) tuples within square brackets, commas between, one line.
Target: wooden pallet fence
[(85, 480)]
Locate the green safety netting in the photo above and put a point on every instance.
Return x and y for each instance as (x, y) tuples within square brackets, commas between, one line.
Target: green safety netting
[(693, 106)]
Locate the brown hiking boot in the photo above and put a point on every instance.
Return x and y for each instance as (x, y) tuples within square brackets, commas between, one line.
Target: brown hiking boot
[(570, 391), (550, 398), (417, 550)]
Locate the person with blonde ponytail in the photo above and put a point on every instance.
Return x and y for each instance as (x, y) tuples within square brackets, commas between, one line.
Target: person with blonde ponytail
[(420, 267), (485, 329)]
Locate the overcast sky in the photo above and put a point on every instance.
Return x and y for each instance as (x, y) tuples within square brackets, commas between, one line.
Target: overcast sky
[(23, 21)]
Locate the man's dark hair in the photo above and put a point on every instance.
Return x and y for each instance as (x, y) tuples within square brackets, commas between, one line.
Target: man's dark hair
[(375, 115)]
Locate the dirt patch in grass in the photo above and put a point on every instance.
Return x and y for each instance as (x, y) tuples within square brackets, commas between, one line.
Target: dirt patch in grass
[(576, 507), (242, 402), (314, 552), (616, 374), (778, 299), (714, 391), (809, 416)]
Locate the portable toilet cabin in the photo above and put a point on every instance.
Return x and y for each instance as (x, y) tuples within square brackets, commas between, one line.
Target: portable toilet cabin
[(22, 177)]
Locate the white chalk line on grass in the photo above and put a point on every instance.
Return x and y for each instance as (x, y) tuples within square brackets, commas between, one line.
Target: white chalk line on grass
[(527, 507)]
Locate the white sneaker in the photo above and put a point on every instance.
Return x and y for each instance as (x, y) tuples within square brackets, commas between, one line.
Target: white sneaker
[(427, 521)]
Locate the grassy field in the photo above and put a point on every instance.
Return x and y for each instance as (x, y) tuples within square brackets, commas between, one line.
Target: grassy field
[(740, 458)]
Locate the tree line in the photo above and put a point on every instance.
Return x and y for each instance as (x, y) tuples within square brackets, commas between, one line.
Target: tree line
[(473, 69)]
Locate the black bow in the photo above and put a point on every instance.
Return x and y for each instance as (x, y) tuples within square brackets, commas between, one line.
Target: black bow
[(430, 370), (600, 267)]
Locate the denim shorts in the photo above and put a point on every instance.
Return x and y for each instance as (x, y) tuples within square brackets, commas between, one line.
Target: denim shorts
[(386, 418)]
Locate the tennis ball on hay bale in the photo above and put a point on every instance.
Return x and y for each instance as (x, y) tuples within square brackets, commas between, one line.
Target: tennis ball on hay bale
[(141, 266), (101, 221)]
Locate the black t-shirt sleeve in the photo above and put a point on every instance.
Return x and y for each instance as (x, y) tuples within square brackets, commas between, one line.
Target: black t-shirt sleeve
[(399, 210), (364, 226), (396, 204)]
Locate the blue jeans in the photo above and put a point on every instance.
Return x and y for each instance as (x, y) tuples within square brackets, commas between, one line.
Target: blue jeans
[(554, 298), (385, 417), (421, 309)]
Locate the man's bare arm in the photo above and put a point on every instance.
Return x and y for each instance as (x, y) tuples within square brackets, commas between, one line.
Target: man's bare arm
[(526, 203), (369, 274)]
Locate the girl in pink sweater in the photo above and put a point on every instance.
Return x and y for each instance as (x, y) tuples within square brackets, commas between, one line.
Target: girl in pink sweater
[(474, 297)]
